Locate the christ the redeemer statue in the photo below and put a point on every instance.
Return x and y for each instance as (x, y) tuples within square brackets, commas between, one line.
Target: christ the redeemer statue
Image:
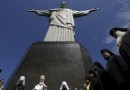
[(61, 22)]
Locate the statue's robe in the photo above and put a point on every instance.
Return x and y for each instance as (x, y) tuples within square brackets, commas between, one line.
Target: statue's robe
[(61, 23)]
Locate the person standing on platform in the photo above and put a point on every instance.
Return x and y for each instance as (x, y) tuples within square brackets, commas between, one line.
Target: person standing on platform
[(116, 68), (122, 36), (41, 85), (64, 86), (1, 84), (93, 77), (88, 84), (20, 84), (102, 77), (61, 22)]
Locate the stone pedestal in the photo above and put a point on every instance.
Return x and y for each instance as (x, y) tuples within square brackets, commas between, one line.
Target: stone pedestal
[(58, 61)]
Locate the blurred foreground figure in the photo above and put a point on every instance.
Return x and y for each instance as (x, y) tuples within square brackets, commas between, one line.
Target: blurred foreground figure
[(117, 69), (122, 36)]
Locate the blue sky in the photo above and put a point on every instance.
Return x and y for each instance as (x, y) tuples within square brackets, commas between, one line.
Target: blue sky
[(19, 28)]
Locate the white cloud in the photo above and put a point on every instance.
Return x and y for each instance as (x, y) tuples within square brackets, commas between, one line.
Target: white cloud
[(124, 11), (125, 15), (121, 1), (127, 24), (122, 15), (109, 39), (115, 50)]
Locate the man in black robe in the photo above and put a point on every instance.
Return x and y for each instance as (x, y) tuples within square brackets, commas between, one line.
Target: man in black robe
[(117, 69), (103, 79), (88, 84), (122, 36)]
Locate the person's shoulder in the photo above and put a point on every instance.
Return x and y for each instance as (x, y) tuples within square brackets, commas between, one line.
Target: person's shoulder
[(116, 56)]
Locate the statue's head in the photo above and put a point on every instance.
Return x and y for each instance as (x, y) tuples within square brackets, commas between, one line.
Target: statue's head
[(63, 5)]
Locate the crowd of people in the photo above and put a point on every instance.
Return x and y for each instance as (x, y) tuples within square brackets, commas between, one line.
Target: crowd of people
[(21, 84), (115, 76)]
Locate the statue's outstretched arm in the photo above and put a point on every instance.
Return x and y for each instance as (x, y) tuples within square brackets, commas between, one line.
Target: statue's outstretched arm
[(77, 14), (40, 12)]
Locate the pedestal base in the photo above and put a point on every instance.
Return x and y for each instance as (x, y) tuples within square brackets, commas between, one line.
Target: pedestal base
[(58, 61)]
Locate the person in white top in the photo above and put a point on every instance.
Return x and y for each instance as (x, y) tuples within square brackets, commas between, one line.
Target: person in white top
[(1, 84), (64, 86), (20, 85), (41, 85)]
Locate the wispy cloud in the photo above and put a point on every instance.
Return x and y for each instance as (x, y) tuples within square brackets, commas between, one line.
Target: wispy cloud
[(124, 12), (122, 15), (125, 15), (115, 49), (123, 2), (127, 25), (109, 39)]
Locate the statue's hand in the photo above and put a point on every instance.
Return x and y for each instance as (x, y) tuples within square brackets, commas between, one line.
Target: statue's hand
[(94, 9), (97, 8), (31, 10)]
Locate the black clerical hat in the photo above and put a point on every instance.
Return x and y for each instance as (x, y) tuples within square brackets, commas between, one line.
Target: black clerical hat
[(113, 30)]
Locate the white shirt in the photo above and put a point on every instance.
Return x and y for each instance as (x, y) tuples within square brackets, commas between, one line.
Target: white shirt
[(39, 87)]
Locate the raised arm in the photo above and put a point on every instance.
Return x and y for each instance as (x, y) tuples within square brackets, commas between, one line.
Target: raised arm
[(83, 13), (40, 12)]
